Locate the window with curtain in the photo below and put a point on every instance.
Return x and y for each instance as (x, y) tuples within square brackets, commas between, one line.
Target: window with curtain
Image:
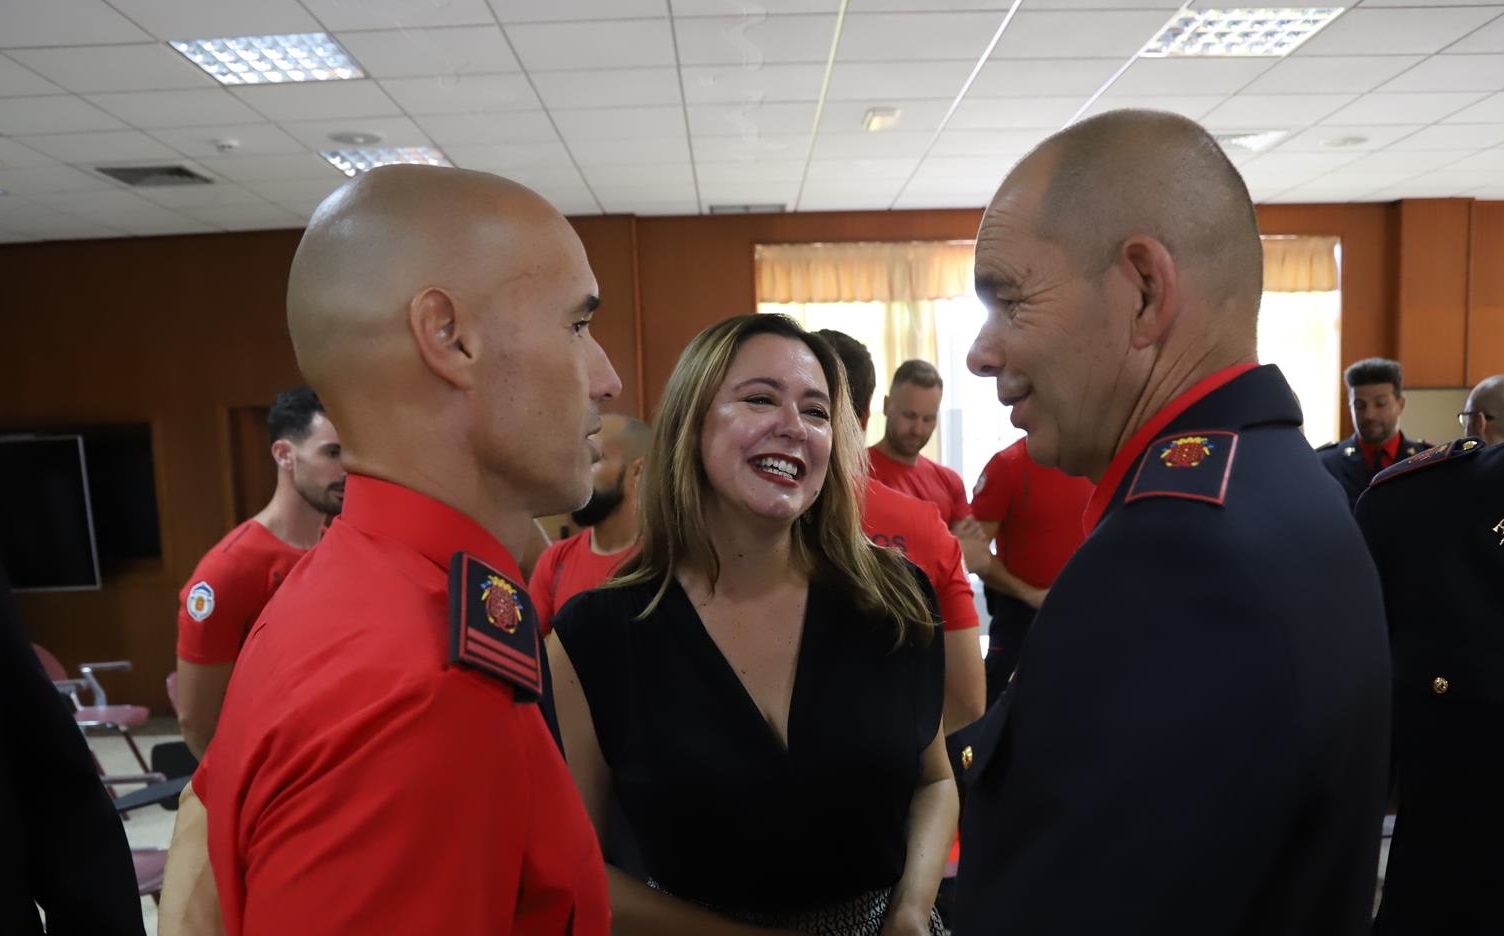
[(916, 300)]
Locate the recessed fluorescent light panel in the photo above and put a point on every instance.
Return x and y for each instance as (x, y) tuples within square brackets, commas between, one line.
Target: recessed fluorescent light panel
[(1262, 31), (1252, 141), (353, 162), (251, 60)]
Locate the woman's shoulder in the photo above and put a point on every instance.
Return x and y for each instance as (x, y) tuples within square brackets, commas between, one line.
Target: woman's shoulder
[(608, 606)]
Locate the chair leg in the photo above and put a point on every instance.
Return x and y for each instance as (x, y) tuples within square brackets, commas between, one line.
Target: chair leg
[(126, 734)]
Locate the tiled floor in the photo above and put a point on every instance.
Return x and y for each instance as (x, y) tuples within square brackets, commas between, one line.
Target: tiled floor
[(152, 827)]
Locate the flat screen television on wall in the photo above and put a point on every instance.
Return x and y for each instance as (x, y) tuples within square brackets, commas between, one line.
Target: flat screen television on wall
[(47, 538)]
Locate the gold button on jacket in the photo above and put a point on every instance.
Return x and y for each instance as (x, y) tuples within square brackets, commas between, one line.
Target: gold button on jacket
[(1439, 685)]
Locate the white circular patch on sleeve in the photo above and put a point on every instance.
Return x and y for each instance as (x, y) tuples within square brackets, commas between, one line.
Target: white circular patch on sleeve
[(200, 601)]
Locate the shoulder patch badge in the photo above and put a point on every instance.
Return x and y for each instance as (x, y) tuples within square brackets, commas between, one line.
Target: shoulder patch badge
[(1431, 456), (200, 602), (1189, 465), (493, 627)]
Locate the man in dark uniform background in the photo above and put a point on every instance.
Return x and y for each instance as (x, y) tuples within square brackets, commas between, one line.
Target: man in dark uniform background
[(1376, 400), (1435, 526), (380, 764), (1196, 737), (1482, 415)]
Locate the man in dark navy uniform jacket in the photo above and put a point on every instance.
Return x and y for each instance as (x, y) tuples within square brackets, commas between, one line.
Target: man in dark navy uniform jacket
[(1435, 526), (1375, 399), (1196, 738)]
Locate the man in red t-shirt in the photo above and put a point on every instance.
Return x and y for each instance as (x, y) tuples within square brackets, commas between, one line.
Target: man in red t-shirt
[(911, 407), (915, 527), (587, 559), (234, 580), (1035, 515)]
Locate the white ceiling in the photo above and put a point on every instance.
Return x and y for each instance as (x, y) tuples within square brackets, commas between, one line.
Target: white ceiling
[(672, 106)]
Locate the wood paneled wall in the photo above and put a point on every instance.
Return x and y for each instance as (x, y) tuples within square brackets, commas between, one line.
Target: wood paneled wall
[(179, 331)]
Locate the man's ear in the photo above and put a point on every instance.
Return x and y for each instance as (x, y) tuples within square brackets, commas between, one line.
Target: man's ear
[(1151, 271), (1399, 404), (445, 341), (282, 454)]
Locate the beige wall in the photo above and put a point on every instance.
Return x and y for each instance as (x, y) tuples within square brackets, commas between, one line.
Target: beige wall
[(1431, 414)]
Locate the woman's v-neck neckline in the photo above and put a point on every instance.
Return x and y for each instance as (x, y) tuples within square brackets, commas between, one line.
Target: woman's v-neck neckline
[(714, 660)]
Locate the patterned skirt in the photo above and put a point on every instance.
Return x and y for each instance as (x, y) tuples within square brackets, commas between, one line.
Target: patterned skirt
[(858, 916)]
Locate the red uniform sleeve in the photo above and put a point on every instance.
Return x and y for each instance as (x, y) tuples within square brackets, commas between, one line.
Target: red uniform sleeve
[(442, 809), (217, 608), (995, 488), (540, 587), (960, 508), (947, 571)]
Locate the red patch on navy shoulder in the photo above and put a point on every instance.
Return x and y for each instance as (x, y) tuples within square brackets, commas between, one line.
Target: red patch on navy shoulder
[(1188, 465)]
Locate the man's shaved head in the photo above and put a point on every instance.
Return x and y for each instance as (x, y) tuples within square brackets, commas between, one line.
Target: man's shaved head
[(1485, 407), (443, 315), (1117, 258)]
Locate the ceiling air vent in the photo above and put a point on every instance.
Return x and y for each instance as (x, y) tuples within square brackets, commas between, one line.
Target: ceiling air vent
[(154, 176), (773, 208)]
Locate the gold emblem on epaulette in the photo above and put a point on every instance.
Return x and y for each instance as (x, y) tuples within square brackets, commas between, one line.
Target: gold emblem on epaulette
[(1469, 445), (1350, 451), (1186, 452), (1499, 529), (500, 599)]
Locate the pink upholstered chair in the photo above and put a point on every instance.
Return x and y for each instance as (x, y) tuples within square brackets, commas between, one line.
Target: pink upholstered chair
[(99, 713)]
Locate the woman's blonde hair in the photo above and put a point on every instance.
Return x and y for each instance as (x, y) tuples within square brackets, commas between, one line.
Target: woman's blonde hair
[(828, 541)]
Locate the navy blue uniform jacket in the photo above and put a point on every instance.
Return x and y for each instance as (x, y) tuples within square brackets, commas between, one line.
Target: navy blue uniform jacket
[(1344, 461), (1196, 739)]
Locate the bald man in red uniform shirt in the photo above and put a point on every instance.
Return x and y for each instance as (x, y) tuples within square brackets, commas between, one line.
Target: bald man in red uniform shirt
[(381, 765)]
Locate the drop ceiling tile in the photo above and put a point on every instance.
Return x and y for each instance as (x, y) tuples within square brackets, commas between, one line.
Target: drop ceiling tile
[(532, 11), (750, 120), (632, 152), (982, 169), (733, 84), (398, 14), (727, 174), (261, 216), (988, 142), (52, 114), (1413, 162), (1488, 110), (1488, 39), (251, 169), (316, 100), (836, 169), (671, 208), (178, 197), (154, 67), (617, 87), (1320, 192), (1452, 73), (913, 116), (1382, 108), (508, 127), (213, 19), (620, 123), (900, 37), (1196, 107), (165, 224), (1178, 76), (299, 191), (692, 8), (504, 158), (1427, 187), (1372, 31), (1018, 77), (17, 155), (65, 22), (1051, 34), (861, 145), (1275, 111), (1292, 169), (1165, 6), (117, 201), (751, 42), (257, 139), (1317, 139), (615, 44), (394, 131), (870, 200), (1488, 161), (99, 147), (450, 50), (156, 110), (46, 180), (459, 94), (754, 146), (749, 193), (40, 223), (18, 81), (1454, 137), (1300, 74), (1014, 113), (879, 82), (919, 201), (678, 175), (979, 191)]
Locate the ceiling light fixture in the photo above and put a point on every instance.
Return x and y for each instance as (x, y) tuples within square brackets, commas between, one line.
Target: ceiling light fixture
[(1251, 141), (1344, 142), (353, 162), (880, 118), (356, 138), (249, 60), (1261, 31)]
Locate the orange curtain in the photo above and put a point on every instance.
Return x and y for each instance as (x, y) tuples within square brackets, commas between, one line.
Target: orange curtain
[(1300, 264), (864, 272)]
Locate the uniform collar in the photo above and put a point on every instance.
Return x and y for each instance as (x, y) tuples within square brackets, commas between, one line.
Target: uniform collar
[(1129, 454), (385, 510), (1391, 448)]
